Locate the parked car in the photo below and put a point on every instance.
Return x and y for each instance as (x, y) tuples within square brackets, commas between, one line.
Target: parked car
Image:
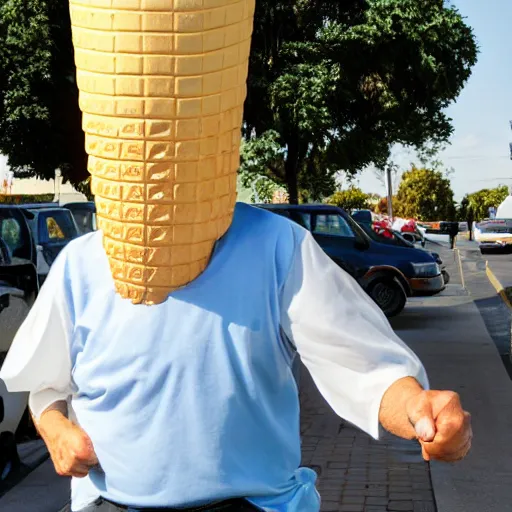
[(18, 254), (18, 279), (396, 238), (52, 229), (388, 273), (85, 216), (494, 235)]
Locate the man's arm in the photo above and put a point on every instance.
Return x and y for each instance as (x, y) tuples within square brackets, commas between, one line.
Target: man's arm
[(39, 362), (364, 371)]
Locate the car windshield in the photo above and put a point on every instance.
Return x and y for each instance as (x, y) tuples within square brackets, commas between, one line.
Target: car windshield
[(495, 228), (57, 226)]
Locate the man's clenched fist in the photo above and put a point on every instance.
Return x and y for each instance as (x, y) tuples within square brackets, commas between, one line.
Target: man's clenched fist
[(71, 449), (442, 427)]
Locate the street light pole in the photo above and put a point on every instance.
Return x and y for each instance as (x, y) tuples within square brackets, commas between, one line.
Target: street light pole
[(389, 186)]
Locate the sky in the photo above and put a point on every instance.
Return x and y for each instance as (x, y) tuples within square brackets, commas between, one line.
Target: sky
[(479, 152)]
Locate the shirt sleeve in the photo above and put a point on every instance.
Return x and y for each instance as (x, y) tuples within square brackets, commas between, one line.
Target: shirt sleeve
[(343, 338), (39, 358)]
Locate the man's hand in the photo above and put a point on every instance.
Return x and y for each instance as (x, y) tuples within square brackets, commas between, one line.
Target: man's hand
[(435, 418), (71, 449), (442, 427)]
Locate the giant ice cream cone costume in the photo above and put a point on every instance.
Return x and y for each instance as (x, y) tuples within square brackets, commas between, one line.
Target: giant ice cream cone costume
[(162, 86)]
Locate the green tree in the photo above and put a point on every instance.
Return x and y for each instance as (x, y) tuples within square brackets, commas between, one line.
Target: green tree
[(337, 83), (463, 209), (352, 198), (333, 84), (425, 195), (382, 206), (481, 201), (40, 122)]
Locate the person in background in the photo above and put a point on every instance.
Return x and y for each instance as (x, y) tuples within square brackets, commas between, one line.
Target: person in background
[(453, 231), (470, 219)]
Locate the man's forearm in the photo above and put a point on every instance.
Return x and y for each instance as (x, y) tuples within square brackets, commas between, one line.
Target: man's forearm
[(393, 414), (52, 420)]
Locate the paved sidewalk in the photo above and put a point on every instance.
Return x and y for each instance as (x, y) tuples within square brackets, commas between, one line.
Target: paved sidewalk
[(356, 473), (457, 339)]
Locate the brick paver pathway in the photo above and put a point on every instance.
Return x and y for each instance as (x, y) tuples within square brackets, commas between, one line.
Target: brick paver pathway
[(356, 473)]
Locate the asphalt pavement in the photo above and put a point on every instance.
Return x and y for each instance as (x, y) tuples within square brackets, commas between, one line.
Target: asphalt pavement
[(501, 265)]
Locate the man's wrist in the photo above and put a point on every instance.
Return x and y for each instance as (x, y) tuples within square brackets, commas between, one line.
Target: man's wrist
[(53, 421), (398, 398)]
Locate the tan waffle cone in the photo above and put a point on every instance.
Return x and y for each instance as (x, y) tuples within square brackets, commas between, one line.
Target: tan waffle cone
[(162, 85)]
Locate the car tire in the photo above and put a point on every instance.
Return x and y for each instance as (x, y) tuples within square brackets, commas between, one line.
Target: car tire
[(446, 277), (389, 296)]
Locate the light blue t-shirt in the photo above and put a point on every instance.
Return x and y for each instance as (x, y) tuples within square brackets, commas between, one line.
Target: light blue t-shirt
[(193, 400)]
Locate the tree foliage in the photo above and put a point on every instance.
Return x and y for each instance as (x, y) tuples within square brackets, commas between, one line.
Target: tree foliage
[(40, 122), (331, 86), (337, 83), (478, 203), (382, 206), (425, 195), (352, 198)]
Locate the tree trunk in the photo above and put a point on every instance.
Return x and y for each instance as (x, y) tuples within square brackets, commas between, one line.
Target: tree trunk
[(291, 170)]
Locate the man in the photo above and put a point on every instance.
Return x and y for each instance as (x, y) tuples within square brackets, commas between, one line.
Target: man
[(470, 220), (160, 353), (192, 402), (453, 231)]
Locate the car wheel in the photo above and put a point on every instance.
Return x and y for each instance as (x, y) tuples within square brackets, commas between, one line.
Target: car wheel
[(446, 277), (389, 296)]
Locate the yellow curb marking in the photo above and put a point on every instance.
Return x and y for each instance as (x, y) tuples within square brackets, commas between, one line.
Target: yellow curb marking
[(497, 285), (461, 271)]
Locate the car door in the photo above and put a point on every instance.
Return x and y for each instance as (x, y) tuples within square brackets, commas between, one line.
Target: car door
[(338, 239)]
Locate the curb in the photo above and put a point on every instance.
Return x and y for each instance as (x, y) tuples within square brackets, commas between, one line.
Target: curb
[(500, 290), (461, 271)]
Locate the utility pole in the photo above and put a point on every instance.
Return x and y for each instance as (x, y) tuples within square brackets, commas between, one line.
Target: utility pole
[(389, 185), (510, 145)]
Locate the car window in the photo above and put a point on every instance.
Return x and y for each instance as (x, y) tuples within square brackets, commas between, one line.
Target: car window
[(332, 224), (11, 233), (59, 226), (85, 220), (302, 219), (14, 232)]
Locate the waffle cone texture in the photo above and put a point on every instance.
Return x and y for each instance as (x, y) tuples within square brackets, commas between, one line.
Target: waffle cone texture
[(162, 86)]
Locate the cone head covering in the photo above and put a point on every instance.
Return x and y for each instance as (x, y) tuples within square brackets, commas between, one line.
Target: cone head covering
[(162, 86)]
